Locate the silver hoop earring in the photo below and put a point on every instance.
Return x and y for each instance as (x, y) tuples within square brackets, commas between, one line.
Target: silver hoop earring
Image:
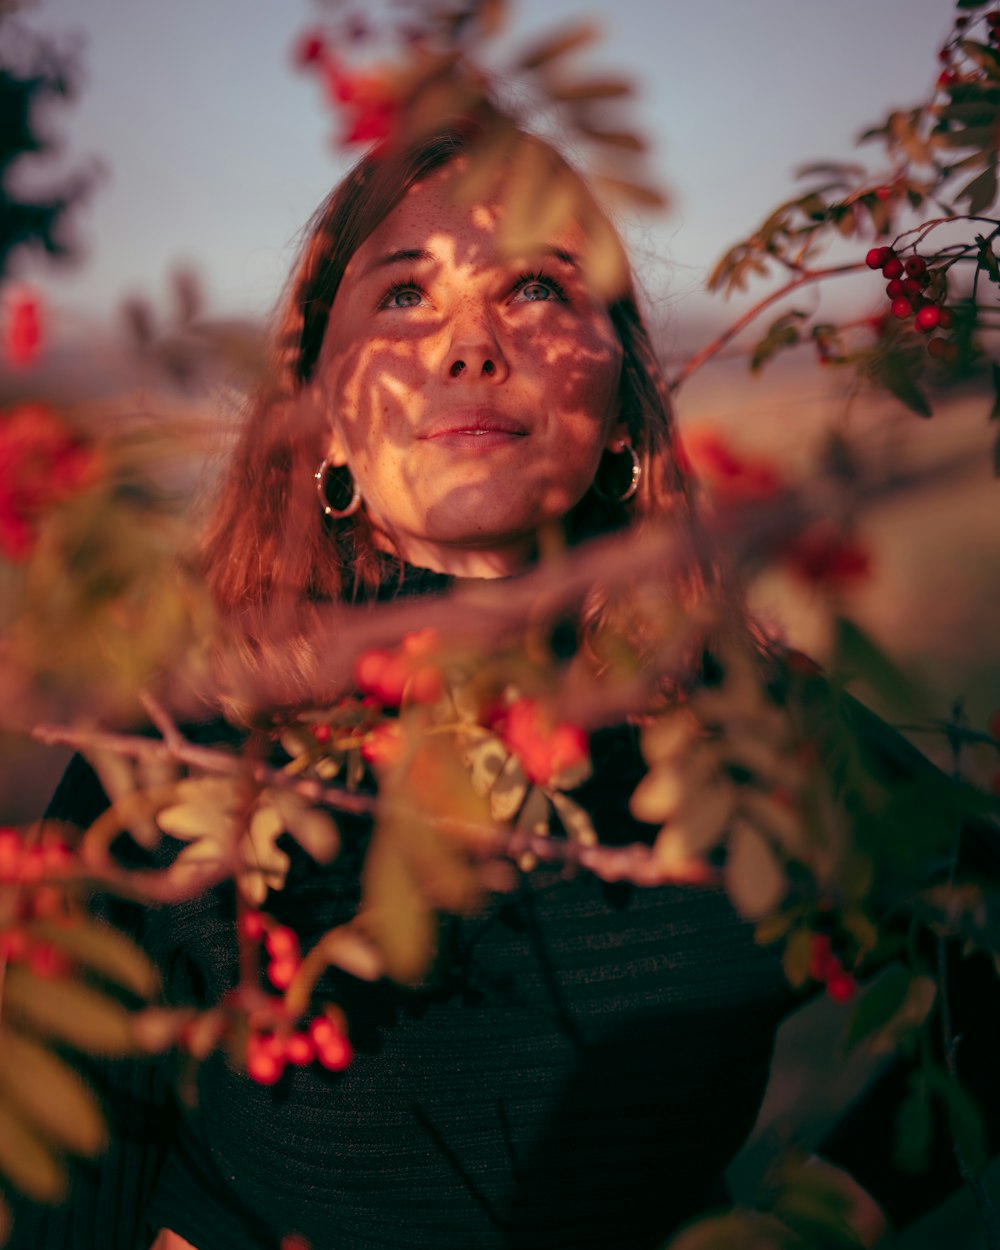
[(328, 509), (633, 481)]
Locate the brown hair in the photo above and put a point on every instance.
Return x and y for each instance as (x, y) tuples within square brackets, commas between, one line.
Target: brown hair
[(268, 540)]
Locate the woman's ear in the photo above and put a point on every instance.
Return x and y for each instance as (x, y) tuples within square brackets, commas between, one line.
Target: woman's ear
[(617, 436), (335, 451)]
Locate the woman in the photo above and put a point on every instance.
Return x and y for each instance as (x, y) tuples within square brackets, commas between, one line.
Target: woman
[(588, 1059)]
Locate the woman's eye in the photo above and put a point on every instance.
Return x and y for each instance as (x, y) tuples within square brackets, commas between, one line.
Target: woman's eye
[(534, 288), (406, 297)]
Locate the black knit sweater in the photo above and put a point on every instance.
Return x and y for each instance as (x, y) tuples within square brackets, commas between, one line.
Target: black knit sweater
[(588, 1061)]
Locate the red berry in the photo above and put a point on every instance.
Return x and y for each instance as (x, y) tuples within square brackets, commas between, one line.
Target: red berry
[(895, 288), (928, 318), (299, 1049), (946, 78), (282, 943), (265, 1058), (336, 1054), (915, 266), (11, 854), (911, 287), (944, 55), (877, 257), (281, 972), (14, 945), (893, 267), (901, 308), (937, 347), (310, 48), (252, 926), (841, 986), (883, 193), (947, 319), (322, 733)]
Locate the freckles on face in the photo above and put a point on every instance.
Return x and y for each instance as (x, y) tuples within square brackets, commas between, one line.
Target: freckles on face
[(470, 392)]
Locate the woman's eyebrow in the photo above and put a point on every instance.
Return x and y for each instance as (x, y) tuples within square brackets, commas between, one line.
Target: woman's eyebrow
[(398, 257)]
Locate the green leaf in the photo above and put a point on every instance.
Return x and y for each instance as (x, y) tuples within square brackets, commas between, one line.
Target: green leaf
[(995, 377), (878, 1006), (49, 1095), (782, 333), (856, 654), (914, 1131), (68, 1012), (965, 1120)]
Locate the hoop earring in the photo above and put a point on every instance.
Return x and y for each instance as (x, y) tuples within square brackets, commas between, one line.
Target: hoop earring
[(328, 509), (633, 481)]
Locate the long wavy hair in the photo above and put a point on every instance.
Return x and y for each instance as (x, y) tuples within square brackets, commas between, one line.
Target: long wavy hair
[(267, 540)]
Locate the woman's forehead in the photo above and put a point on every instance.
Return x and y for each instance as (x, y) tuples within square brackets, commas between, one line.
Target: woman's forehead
[(433, 217)]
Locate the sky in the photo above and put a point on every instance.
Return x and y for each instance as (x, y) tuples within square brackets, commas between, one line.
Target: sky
[(215, 150)]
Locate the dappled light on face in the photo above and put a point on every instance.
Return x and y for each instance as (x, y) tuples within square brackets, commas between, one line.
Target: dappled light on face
[(470, 390)]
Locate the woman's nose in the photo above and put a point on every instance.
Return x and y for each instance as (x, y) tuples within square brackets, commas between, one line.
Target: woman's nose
[(474, 350)]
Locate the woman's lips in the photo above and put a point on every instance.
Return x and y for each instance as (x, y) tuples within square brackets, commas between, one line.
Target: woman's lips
[(478, 430)]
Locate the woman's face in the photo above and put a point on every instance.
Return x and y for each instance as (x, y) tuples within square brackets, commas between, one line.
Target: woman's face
[(470, 393)]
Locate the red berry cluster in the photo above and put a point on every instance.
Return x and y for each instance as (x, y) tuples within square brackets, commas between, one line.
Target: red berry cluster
[(407, 672), (324, 1041), (544, 748), (907, 290), (269, 1051), (826, 967), (33, 866)]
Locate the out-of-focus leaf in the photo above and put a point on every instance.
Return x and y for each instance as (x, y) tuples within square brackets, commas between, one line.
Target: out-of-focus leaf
[(67, 1012), (914, 1131), (26, 1161), (857, 655), (737, 1230), (995, 378), (878, 1005), (574, 818), (508, 790), (782, 333), (314, 830), (772, 928), (700, 822), (631, 192), (591, 89), (797, 957), (626, 140), (921, 995), (558, 44), (485, 757), (981, 192), (399, 915), (48, 1095), (982, 55), (104, 950), (753, 877), (965, 1119)]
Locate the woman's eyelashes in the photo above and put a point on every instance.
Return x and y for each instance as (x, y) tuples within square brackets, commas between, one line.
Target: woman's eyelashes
[(527, 288)]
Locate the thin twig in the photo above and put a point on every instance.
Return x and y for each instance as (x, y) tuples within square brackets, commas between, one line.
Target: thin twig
[(695, 362)]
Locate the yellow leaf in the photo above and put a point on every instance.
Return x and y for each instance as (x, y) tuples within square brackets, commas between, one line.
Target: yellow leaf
[(28, 1162), (754, 880), (701, 820), (68, 1012), (484, 757), (188, 821), (509, 790), (105, 951), (575, 820), (48, 1095), (397, 913)]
